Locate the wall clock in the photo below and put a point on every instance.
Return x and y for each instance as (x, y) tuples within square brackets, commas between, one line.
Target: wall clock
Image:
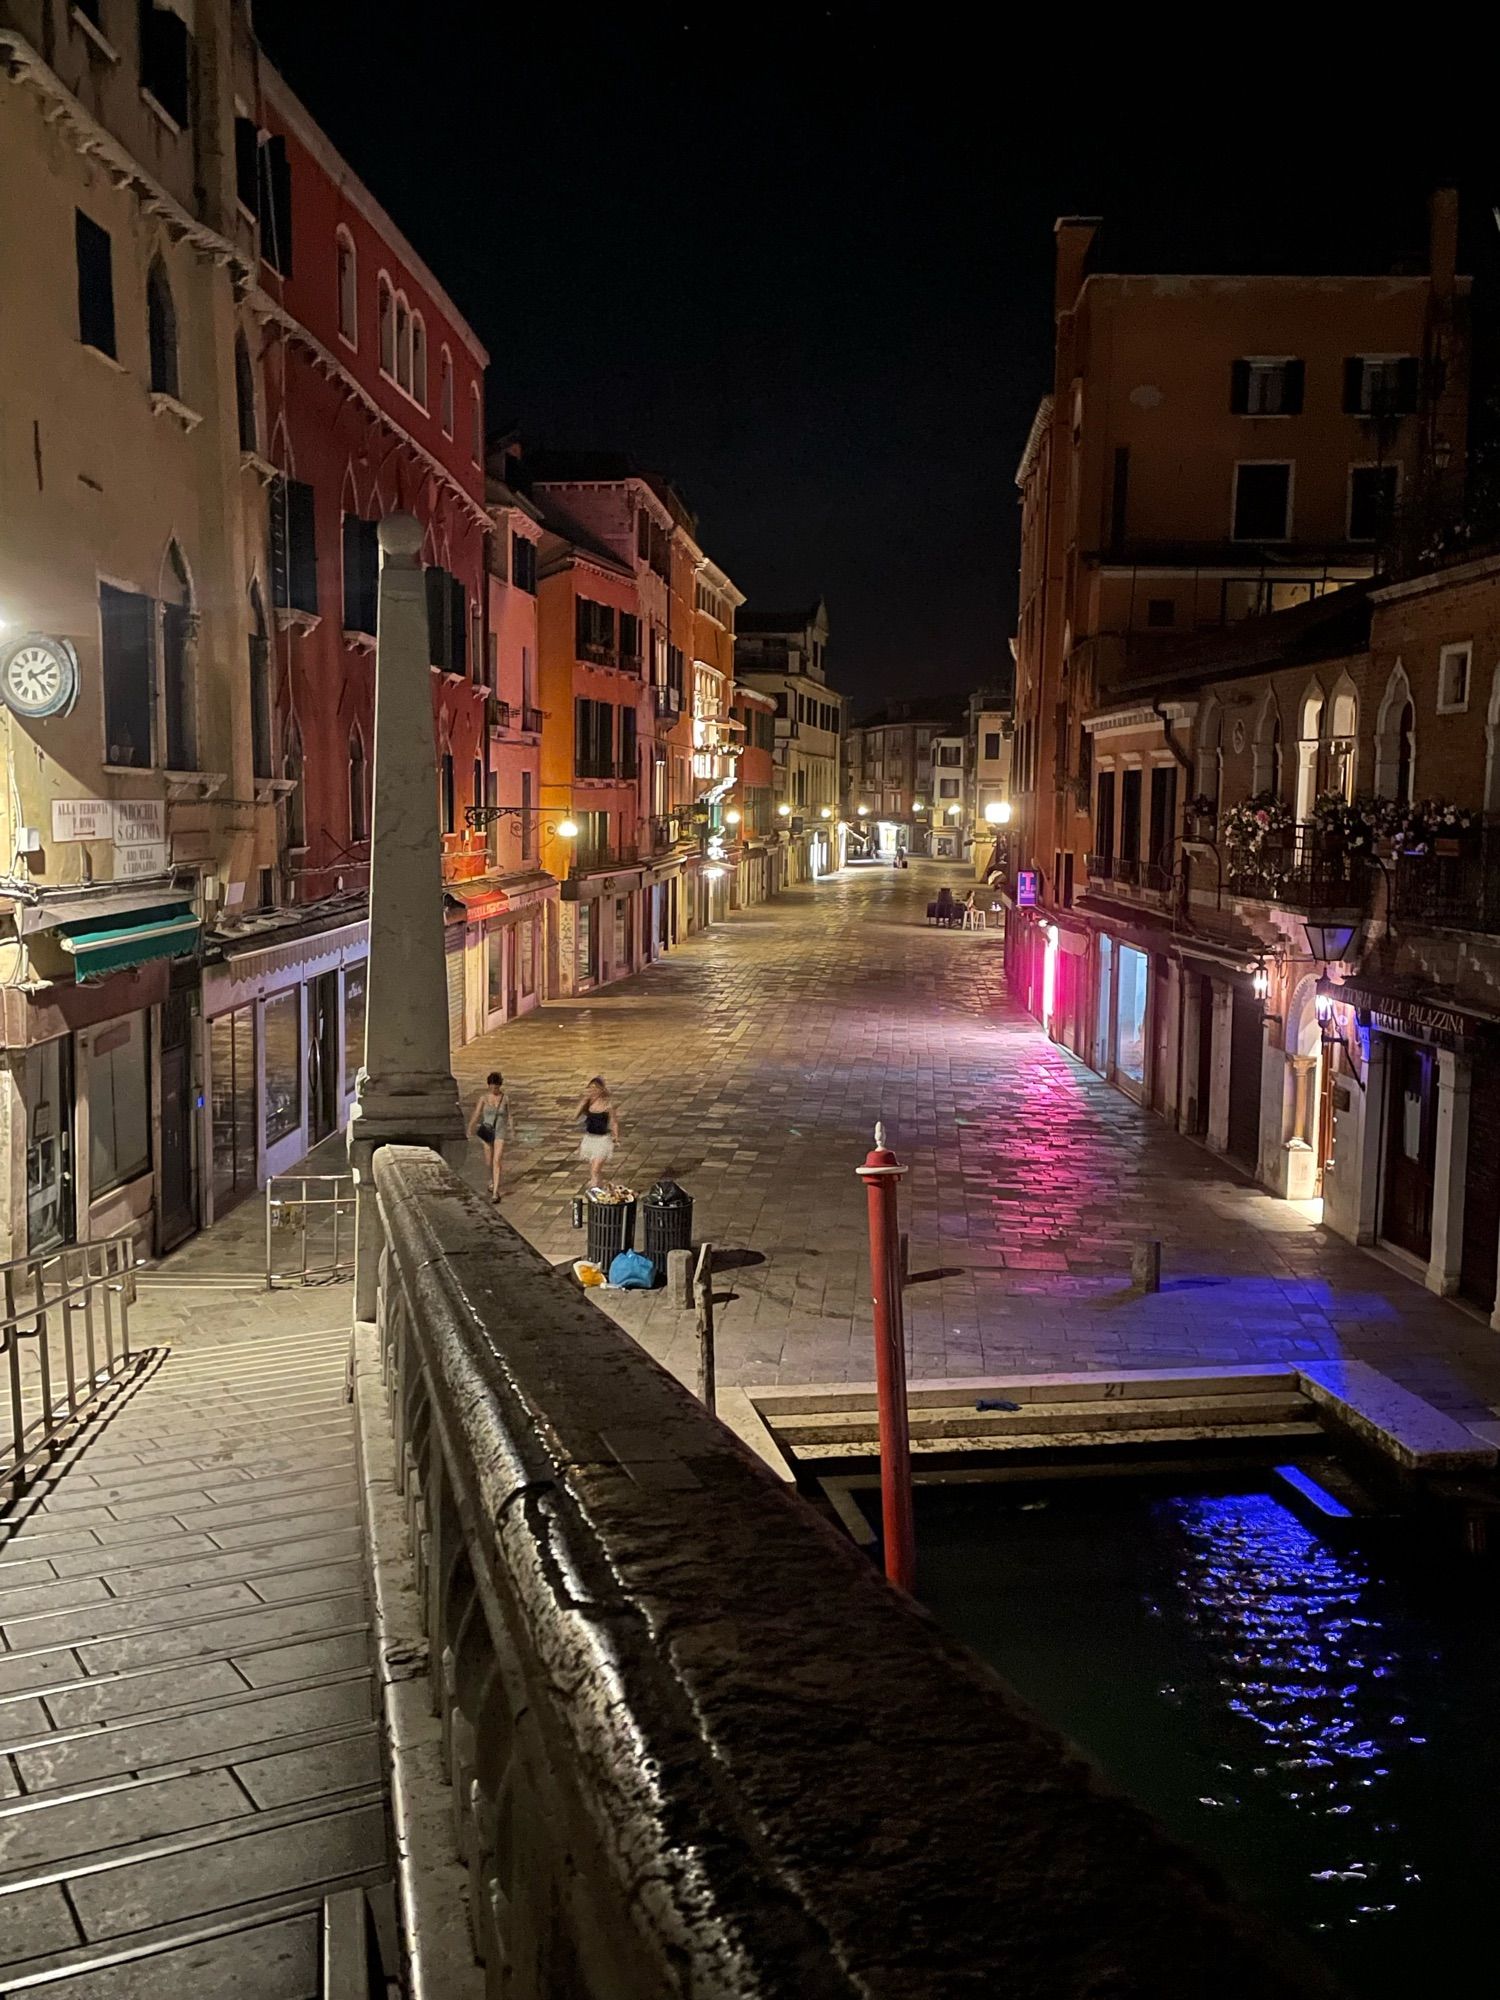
[(38, 675)]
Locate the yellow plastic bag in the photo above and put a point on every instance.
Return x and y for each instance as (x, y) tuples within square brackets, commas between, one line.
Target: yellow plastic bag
[(588, 1274)]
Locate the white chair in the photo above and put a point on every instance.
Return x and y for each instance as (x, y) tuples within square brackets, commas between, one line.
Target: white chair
[(975, 920)]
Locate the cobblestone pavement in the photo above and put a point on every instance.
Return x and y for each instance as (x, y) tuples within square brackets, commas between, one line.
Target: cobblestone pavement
[(189, 1759), (752, 1064)]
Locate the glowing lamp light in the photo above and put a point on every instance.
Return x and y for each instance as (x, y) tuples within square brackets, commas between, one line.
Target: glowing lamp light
[(785, 810), (731, 818), (826, 812), (919, 805), (1049, 973), (997, 812), (567, 830), (953, 812), (1325, 1005), (1260, 980), (864, 812), (713, 874)]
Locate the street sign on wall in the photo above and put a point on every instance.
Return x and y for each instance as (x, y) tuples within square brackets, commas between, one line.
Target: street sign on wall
[(1026, 888)]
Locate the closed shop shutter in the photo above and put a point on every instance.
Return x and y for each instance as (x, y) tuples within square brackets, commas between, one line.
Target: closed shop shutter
[(1245, 1042), (454, 966), (1482, 1183)]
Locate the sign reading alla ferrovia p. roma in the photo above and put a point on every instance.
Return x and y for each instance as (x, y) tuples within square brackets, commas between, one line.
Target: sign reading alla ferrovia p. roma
[(127, 822)]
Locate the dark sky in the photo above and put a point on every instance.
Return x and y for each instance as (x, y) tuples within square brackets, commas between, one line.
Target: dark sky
[(801, 260)]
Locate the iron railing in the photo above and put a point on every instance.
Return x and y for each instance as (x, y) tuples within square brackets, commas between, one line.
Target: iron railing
[(65, 1335), (1458, 890), (312, 1215), (1305, 870), (531, 720)]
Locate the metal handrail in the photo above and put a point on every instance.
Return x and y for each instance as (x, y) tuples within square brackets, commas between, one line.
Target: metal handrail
[(288, 1211), (41, 1301)]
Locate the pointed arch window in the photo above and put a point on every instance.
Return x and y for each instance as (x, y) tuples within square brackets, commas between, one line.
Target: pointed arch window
[(347, 267), (296, 798), (445, 391), (476, 425), (419, 359), (161, 331), (244, 395), (359, 808), (403, 343), (1406, 725), (385, 306)]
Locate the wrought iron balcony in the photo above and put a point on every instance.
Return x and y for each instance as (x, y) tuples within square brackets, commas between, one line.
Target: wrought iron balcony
[(1457, 890), (668, 700), (531, 721), (1305, 870)]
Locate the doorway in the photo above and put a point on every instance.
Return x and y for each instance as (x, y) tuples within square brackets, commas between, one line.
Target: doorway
[(1246, 1047), (178, 1208), (1410, 1148), (1198, 1125), (323, 1055), (48, 1089)]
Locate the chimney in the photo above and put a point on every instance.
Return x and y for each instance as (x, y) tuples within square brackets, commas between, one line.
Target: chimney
[(1075, 236), (1442, 241)]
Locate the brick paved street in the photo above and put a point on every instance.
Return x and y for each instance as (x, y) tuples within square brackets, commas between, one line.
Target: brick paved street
[(753, 1063)]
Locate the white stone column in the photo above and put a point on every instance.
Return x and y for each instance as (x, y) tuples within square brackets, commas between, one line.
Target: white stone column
[(1451, 1164), (1218, 1085), (406, 1094)]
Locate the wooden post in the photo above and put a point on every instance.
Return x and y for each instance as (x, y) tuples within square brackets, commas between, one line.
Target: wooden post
[(703, 1289)]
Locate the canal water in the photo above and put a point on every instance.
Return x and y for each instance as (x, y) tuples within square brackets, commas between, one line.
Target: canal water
[(1315, 1712)]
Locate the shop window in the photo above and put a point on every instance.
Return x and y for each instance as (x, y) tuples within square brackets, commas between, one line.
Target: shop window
[(161, 331), (47, 1091), (231, 1056), (1262, 502), (96, 284), (588, 943), (117, 1089), (281, 1029), (1130, 1019), (355, 977), (494, 957), (526, 946)]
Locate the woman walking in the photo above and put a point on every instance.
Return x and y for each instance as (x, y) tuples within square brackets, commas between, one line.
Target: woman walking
[(601, 1128), (489, 1122)]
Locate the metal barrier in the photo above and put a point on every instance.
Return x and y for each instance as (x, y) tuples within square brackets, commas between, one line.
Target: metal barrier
[(52, 1379), (322, 1221)]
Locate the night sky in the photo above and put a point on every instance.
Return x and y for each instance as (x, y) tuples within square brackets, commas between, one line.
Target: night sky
[(801, 260)]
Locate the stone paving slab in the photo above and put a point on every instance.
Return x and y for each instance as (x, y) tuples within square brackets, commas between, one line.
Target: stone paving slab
[(186, 1694), (752, 1065)]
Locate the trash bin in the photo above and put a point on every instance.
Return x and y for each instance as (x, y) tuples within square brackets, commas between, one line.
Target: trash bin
[(669, 1223), (611, 1224)]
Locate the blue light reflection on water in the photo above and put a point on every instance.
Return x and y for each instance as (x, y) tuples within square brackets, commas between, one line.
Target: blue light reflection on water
[(1297, 1650)]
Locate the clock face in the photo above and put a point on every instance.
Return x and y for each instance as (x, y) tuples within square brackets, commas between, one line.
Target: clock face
[(38, 676)]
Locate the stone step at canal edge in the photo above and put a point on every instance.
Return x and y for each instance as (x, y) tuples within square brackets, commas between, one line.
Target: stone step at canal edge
[(1205, 1416), (190, 1767)]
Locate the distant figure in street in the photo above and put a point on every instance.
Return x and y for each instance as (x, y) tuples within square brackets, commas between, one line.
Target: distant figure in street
[(947, 909), (601, 1128), (489, 1122)]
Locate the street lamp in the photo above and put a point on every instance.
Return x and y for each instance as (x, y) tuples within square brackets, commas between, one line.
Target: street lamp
[(825, 812), (953, 812), (731, 818), (566, 830), (864, 812), (919, 805), (784, 809), (997, 812)]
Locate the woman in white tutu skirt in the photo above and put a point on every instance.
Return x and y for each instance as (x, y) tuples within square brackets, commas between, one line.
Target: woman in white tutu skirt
[(601, 1128)]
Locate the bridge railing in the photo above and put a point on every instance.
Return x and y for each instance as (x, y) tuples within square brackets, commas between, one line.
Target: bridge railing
[(64, 1339), (696, 1745)]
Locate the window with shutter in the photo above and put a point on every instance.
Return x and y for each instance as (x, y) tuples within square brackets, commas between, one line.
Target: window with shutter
[(161, 331), (96, 284), (276, 205), (361, 574), (244, 395), (437, 616), (294, 549), (246, 162), (458, 628), (628, 753), (127, 620)]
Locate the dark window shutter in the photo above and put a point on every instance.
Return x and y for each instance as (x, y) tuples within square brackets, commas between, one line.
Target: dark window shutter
[(246, 162), (580, 736), (1354, 384), (1239, 388), (303, 553), (353, 564), (1408, 384), (1293, 382), (437, 616), (458, 628), (581, 626), (96, 285)]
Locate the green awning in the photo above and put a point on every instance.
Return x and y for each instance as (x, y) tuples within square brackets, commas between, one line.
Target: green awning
[(99, 948)]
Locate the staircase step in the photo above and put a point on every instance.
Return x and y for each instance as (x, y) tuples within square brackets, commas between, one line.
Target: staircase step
[(1208, 1415)]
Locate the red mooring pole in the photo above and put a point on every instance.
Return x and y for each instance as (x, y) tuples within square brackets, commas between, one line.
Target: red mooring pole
[(881, 1174)]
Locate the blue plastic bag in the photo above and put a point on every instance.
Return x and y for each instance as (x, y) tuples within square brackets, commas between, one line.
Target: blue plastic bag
[(633, 1270)]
